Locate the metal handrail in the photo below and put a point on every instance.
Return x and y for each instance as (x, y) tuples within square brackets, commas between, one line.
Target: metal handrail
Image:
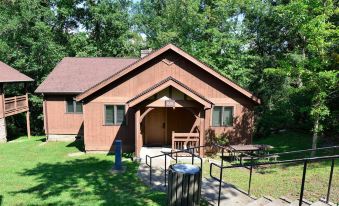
[(279, 153), (306, 150), (252, 164), (170, 154)]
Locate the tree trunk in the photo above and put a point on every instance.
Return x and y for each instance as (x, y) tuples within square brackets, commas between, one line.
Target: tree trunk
[(315, 136)]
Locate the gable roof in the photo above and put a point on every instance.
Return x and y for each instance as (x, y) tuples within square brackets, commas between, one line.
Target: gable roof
[(153, 55), (76, 74), (170, 81), (9, 74)]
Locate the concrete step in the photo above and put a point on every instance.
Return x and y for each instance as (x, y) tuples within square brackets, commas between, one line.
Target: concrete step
[(278, 202), (229, 194), (259, 202), (319, 203), (296, 203)]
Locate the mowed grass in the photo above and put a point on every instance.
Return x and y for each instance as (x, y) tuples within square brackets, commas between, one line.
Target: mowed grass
[(285, 179), (33, 172)]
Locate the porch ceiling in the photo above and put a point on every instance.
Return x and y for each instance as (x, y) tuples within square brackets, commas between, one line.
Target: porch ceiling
[(170, 81)]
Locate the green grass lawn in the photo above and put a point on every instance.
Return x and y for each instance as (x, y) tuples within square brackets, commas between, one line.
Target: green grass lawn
[(33, 172), (285, 180)]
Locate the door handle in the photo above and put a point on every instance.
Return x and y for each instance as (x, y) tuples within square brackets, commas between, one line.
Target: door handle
[(163, 125)]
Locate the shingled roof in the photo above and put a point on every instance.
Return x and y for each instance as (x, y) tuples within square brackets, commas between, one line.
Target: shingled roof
[(153, 55), (76, 75), (85, 76), (9, 74)]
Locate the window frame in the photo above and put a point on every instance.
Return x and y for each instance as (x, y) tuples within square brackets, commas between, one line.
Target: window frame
[(74, 106), (115, 106), (222, 115)]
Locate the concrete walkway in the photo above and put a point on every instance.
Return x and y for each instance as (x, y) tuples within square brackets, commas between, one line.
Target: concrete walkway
[(229, 194)]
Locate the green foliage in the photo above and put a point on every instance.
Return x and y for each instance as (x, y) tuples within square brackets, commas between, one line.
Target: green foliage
[(219, 139), (29, 45), (35, 35)]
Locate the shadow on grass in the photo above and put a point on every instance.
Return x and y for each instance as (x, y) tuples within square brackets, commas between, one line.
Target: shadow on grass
[(89, 181), (79, 144)]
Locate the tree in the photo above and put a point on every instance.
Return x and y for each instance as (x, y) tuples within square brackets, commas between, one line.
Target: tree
[(35, 35), (29, 45), (299, 39)]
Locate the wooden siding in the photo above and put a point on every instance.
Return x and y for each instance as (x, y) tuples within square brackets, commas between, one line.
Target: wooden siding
[(242, 129), (57, 121), (101, 137), (182, 70), (165, 51)]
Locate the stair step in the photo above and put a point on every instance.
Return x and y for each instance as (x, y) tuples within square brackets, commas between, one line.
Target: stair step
[(259, 202), (278, 202), (296, 203), (319, 204), (329, 203)]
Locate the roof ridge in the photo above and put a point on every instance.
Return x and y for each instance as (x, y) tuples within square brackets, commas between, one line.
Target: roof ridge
[(126, 67), (184, 54), (102, 57), (108, 65)]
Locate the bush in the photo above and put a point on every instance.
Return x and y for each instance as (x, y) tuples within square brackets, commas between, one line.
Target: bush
[(212, 139)]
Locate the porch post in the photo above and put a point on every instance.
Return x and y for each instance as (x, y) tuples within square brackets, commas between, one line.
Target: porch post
[(28, 124), (27, 114), (138, 140), (202, 133), (205, 126), (3, 131)]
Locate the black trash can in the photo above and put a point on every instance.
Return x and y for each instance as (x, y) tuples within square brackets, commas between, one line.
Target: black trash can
[(184, 185)]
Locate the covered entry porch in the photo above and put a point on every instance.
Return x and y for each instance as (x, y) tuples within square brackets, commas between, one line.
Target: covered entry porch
[(170, 115), (178, 128)]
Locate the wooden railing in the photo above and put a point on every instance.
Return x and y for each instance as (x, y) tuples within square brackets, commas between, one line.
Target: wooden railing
[(181, 141), (15, 105)]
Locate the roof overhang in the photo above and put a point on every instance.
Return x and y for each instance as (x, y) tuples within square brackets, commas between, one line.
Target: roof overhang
[(165, 84), (16, 81), (58, 93), (11, 75), (153, 55)]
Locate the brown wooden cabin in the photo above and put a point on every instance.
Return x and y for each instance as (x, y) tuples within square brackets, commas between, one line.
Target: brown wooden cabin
[(165, 98), (12, 105)]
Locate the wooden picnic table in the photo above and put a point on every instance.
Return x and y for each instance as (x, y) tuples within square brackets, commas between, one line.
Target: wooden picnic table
[(245, 148), (250, 149)]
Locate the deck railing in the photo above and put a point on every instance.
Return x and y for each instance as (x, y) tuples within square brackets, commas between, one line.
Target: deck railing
[(182, 141), (15, 105)]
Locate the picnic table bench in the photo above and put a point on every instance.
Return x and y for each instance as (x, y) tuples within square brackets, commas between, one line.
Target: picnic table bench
[(250, 151)]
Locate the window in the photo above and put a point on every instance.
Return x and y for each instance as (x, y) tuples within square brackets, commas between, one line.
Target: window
[(72, 106), (114, 114), (222, 116)]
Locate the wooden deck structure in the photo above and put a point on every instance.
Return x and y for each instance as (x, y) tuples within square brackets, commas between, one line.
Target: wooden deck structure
[(12, 105)]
